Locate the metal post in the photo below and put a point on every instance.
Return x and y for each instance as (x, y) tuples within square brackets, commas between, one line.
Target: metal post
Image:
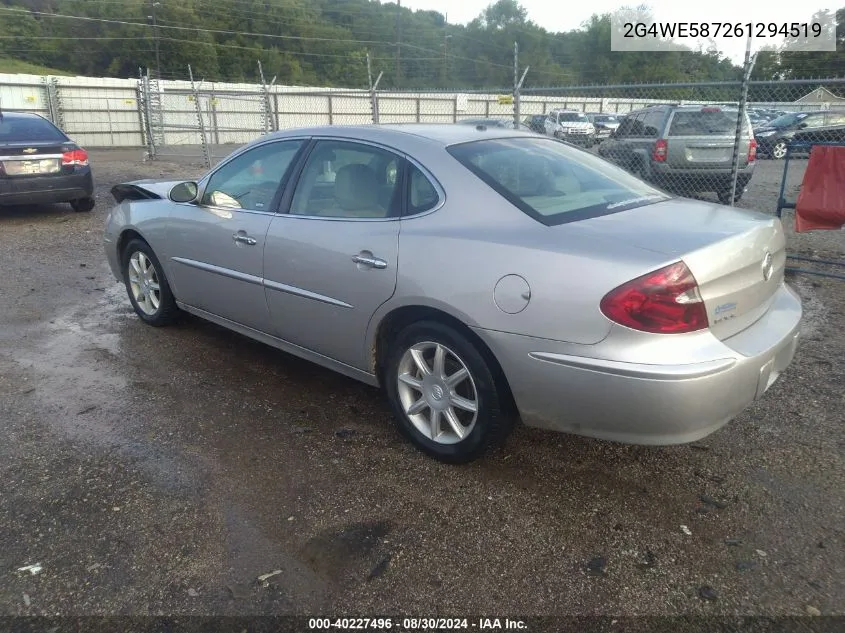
[(151, 147), (265, 95), (153, 5), (205, 153), (373, 89), (108, 115), (139, 103), (740, 118), (212, 115)]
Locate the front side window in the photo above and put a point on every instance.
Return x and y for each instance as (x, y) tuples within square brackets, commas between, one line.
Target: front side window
[(343, 179), (551, 181), (250, 181)]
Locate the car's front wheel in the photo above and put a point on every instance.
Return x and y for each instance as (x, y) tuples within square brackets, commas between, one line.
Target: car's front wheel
[(147, 287), (444, 393)]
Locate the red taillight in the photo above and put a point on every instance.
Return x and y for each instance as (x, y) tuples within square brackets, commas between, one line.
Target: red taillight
[(75, 157), (752, 151), (666, 301), (661, 148)]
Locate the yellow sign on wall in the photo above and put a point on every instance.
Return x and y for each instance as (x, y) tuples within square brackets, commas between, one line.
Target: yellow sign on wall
[(505, 99)]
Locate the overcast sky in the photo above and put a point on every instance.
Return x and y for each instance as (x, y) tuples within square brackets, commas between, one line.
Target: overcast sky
[(563, 15)]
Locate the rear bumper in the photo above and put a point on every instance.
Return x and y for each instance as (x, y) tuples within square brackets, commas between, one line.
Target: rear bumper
[(651, 404), (700, 179), (47, 189)]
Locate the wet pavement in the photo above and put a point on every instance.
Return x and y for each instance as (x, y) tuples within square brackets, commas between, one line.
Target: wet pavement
[(163, 471)]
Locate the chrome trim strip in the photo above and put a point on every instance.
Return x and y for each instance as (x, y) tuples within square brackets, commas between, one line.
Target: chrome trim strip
[(219, 270), (638, 370), (299, 292), (31, 156)]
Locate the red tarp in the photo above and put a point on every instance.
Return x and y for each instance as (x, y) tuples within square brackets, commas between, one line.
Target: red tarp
[(821, 203)]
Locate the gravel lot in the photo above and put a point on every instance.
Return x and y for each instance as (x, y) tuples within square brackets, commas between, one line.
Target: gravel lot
[(162, 471)]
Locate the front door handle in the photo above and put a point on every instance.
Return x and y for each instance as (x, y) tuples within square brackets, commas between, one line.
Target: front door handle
[(370, 261), (244, 239)]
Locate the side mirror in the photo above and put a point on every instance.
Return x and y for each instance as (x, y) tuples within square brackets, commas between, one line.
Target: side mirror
[(801, 126), (184, 192)]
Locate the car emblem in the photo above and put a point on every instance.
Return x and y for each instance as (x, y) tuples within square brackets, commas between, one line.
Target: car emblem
[(437, 392), (768, 266), (30, 150)]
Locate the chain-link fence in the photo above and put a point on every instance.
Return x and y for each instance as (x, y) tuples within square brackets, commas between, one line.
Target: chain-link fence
[(699, 140)]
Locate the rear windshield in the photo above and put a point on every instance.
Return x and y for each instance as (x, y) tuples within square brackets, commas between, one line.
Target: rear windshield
[(28, 130), (704, 123), (554, 182), (572, 116)]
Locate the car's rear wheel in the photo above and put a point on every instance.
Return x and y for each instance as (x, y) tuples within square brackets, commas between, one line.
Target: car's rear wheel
[(147, 287), (444, 393), (83, 204), (779, 149)]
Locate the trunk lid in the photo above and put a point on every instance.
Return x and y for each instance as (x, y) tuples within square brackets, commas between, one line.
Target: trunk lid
[(737, 257), (703, 138), (40, 158)]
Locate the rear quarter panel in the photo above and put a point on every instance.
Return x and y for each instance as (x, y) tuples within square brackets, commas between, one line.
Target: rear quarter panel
[(453, 258)]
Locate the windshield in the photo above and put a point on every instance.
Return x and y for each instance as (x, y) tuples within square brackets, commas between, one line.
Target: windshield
[(704, 123), (572, 117), (605, 118), (29, 130), (787, 119), (553, 182)]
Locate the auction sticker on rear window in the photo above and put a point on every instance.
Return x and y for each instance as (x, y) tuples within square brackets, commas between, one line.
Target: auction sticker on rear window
[(725, 28)]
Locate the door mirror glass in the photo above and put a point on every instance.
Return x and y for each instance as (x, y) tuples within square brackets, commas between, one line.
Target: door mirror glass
[(220, 199), (184, 192)]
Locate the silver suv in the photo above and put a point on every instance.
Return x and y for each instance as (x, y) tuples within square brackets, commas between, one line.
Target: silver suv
[(685, 149), (571, 126)]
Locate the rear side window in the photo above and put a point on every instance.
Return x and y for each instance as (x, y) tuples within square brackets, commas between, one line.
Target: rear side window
[(29, 130), (422, 194), (704, 123)]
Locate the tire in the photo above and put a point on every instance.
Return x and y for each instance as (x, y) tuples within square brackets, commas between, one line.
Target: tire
[(484, 429), (156, 308), (778, 151), (83, 205), (725, 195), (639, 171)]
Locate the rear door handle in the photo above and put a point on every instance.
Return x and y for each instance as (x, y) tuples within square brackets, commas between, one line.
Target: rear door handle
[(244, 239), (370, 261)]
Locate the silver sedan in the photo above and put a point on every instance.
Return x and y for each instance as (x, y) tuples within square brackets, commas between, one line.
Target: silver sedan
[(480, 276)]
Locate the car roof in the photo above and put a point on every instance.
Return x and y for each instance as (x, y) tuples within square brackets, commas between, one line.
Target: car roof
[(15, 114), (392, 133)]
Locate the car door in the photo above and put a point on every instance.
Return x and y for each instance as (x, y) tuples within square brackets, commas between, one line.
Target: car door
[(217, 243), (332, 251)]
